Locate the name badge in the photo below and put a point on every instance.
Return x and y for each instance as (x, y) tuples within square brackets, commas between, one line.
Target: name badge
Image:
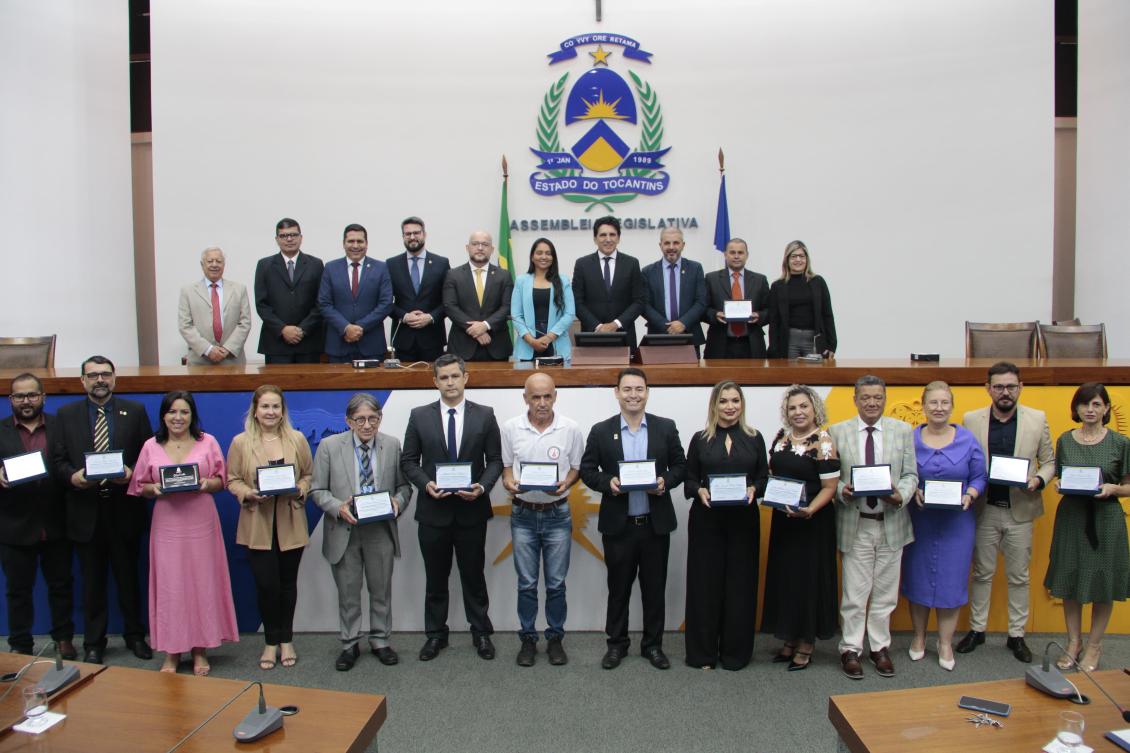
[(100, 465), (276, 480), (637, 475), (369, 508), (453, 477), (179, 478), (728, 489), (539, 477), (20, 469)]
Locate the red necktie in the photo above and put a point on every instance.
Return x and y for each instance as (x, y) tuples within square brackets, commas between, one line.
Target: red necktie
[(869, 459), (737, 329), (217, 320), (354, 284)]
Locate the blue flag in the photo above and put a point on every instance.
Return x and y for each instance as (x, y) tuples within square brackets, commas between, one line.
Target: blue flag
[(722, 223)]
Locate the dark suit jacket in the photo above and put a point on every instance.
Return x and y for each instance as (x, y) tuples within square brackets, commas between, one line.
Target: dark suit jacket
[(128, 515), (431, 339), (34, 507), (596, 306), (600, 464), (779, 316), (717, 293), (368, 310), (692, 298), (461, 305), (425, 444), (279, 303)]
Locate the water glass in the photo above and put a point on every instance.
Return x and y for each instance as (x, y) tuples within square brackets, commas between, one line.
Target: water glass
[(35, 705), (1070, 733)]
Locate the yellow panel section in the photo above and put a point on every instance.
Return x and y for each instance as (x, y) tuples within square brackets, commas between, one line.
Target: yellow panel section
[(600, 157)]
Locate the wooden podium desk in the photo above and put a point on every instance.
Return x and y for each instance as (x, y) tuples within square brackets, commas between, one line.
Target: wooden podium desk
[(124, 710), (12, 707), (927, 720)]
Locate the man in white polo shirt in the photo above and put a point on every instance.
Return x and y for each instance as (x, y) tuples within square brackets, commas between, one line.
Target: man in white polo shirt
[(540, 522)]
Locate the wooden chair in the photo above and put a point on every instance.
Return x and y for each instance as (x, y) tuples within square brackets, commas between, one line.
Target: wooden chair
[(1072, 322), (1001, 340), (27, 352), (1073, 341)]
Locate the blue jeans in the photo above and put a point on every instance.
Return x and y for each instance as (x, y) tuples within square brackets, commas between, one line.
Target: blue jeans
[(541, 536)]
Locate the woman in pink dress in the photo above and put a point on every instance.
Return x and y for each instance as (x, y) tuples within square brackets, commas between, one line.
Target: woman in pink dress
[(190, 602)]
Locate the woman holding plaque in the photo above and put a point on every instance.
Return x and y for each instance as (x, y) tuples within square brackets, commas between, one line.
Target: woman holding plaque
[(800, 573), (801, 322), (273, 527), (542, 307), (1090, 556), (935, 566), (723, 536), (190, 602)]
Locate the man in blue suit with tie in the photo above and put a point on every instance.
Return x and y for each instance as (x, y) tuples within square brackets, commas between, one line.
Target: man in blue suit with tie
[(417, 289), (354, 298), (676, 291)]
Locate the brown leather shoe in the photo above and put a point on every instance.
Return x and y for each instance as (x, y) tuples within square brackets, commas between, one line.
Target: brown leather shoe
[(882, 661), (852, 667)]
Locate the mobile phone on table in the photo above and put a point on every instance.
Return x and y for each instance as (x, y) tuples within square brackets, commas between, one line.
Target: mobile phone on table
[(980, 704)]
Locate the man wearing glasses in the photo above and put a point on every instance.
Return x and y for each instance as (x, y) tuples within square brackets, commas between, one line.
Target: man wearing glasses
[(286, 299), (417, 296), (1004, 519), (33, 525), (476, 298)]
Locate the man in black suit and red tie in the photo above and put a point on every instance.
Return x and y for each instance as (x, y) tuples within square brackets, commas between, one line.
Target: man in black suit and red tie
[(725, 339), (417, 296), (286, 299), (635, 525), (104, 522), (453, 430), (607, 285)]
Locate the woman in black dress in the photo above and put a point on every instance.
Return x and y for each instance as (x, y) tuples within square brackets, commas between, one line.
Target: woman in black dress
[(800, 574), (800, 309), (723, 539)]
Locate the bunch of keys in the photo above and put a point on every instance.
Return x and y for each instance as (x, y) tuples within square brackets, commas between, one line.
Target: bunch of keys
[(979, 719)]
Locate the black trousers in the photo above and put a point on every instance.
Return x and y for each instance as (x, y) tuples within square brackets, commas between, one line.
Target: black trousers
[(469, 545), (292, 357), (20, 566), (637, 550), (276, 588), (416, 353), (109, 550), (722, 552), (730, 347)]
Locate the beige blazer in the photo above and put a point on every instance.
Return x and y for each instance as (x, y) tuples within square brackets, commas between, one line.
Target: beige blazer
[(257, 521), (194, 318), (1033, 441)]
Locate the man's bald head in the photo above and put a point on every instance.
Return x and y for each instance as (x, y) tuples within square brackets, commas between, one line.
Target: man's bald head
[(540, 394)]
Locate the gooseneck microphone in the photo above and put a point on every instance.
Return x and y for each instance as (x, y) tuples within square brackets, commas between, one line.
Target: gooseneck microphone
[(259, 722), (392, 362), (58, 676), (1051, 680)]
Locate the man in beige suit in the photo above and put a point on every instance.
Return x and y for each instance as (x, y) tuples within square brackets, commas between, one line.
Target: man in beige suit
[(1004, 518), (214, 314)]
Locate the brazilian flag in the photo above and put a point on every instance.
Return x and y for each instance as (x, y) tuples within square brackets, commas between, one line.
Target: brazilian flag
[(505, 251)]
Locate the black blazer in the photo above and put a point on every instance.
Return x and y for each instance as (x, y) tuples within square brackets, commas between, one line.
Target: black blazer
[(279, 303), (461, 305), (35, 507), (779, 316), (599, 465), (692, 298), (718, 286), (425, 444), (128, 515), (432, 338), (595, 305)]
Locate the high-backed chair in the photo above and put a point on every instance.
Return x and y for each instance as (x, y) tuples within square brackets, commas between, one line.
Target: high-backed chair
[(1061, 322), (1000, 340), (1073, 341), (27, 352)]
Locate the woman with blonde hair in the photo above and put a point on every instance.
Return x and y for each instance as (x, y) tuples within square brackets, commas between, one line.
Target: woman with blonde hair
[(801, 322)]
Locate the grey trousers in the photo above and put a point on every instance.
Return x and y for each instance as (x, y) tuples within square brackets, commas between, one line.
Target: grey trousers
[(369, 554)]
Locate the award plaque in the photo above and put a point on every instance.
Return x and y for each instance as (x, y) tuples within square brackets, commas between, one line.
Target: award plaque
[(728, 489), (20, 469), (369, 508), (453, 477), (1008, 471), (942, 495), (871, 480), (276, 480), (637, 475), (1080, 480), (100, 465), (179, 478), (783, 493), (539, 477), (737, 311)]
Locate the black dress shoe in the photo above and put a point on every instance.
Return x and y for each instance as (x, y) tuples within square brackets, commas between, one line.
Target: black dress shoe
[(484, 647), (528, 654), (556, 652), (386, 656), (1020, 649), (657, 658), (67, 650), (92, 655), (612, 657), (140, 649), (432, 647), (347, 658), (972, 640)]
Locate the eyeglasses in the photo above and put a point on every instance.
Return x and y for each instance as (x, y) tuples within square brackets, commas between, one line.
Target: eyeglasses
[(25, 397), (800, 255), (367, 421), (98, 375), (412, 233), (1001, 388), (287, 236)]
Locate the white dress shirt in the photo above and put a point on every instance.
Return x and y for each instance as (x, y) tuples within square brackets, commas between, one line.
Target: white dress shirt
[(561, 442)]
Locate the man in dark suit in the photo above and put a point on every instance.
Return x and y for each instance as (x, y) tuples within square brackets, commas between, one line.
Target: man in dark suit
[(355, 297), (676, 291), (735, 283), (453, 430), (286, 299), (607, 285), (417, 296), (104, 522), (33, 525), (635, 525), (476, 298)]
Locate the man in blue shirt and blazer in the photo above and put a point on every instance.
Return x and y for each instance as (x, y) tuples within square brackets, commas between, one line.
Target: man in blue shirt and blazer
[(417, 296), (355, 297), (676, 291)]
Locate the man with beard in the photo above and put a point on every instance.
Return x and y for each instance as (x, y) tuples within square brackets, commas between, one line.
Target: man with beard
[(417, 296), (1004, 519), (476, 298), (33, 525)]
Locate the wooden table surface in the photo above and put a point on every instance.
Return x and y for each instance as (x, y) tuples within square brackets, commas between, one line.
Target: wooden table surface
[(12, 706), (927, 720)]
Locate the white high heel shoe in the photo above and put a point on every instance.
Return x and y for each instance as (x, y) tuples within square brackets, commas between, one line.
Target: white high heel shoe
[(947, 665), (916, 655)]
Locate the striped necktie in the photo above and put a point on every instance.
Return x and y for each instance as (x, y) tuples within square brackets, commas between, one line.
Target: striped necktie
[(101, 435), (366, 469)]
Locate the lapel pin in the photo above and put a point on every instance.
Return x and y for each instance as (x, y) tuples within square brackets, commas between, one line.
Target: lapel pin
[(616, 436), (122, 413)]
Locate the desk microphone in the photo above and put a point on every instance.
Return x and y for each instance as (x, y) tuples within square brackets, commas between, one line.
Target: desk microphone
[(58, 676), (259, 722), (1047, 676), (392, 362)]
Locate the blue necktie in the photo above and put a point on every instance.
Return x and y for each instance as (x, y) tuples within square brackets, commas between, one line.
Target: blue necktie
[(416, 274), (366, 470), (452, 452)]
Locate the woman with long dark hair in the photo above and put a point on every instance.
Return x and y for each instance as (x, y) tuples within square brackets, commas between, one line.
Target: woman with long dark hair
[(542, 306)]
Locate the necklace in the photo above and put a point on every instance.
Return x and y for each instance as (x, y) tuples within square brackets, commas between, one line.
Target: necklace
[(795, 438), (1086, 438), (270, 439)]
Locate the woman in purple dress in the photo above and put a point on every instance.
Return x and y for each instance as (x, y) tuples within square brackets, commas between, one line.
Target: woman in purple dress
[(935, 567)]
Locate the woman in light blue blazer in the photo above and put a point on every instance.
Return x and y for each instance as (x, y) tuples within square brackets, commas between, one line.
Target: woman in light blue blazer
[(542, 307)]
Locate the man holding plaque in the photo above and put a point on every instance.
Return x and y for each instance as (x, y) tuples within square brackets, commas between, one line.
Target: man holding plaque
[(728, 336), (634, 459), (33, 521), (541, 458), (871, 530), (351, 469), (1004, 520), (453, 456), (104, 433)]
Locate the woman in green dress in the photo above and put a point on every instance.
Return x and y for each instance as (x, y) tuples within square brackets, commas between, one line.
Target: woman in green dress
[(1090, 557)]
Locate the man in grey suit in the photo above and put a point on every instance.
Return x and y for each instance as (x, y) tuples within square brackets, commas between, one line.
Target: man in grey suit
[(361, 461), (476, 298), (214, 314), (676, 291), (872, 531), (726, 339)]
